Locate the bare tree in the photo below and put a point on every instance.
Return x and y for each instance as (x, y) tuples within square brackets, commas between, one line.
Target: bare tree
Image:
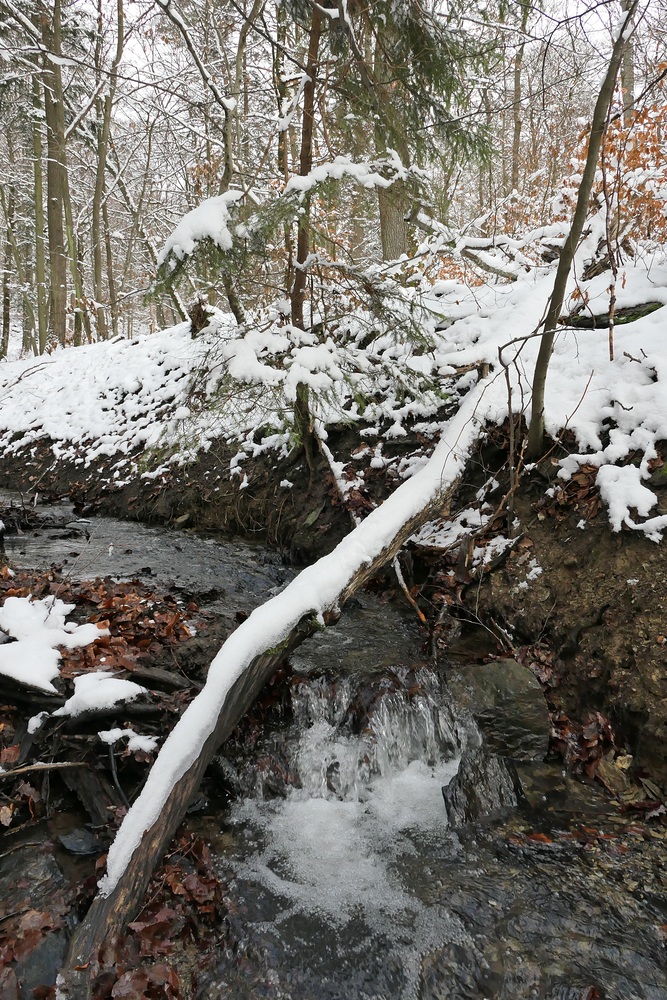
[(598, 127)]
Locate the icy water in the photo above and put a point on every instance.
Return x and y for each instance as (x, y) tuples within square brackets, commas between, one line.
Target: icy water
[(226, 576), (344, 879), (352, 885)]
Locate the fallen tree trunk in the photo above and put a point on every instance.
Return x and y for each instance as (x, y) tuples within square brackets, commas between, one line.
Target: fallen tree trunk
[(244, 664)]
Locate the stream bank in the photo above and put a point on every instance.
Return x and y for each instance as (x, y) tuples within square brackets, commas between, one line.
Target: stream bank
[(581, 604)]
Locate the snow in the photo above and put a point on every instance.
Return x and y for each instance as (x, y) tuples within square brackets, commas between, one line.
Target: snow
[(622, 489), (39, 628), (135, 741), (122, 397), (210, 220), (367, 175), (99, 690)]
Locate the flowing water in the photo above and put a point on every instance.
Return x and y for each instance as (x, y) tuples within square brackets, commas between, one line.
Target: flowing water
[(225, 576), (351, 884), (344, 879)]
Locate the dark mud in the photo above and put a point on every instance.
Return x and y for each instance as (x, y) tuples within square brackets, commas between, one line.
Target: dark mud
[(599, 605)]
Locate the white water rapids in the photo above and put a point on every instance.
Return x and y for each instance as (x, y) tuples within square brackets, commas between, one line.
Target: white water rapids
[(335, 853)]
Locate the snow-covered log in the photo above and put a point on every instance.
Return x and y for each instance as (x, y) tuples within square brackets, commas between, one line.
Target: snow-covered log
[(244, 664)]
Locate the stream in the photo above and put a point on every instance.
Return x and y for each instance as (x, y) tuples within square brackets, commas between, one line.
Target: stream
[(348, 875)]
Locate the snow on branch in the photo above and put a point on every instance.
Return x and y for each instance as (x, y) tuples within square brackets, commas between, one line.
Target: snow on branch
[(380, 173), (316, 591), (210, 220), (213, 218)]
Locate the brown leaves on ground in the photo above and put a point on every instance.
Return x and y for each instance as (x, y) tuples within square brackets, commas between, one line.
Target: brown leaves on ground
[(158, 981), (21, 931), (185, 898), (590, 747), (579, 494), (142, 623), (185, 911)]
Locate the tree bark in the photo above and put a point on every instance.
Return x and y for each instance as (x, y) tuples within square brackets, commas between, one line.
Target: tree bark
[(393, 207), (302, 415), (516, 106), (628, 76), (40, 227), (104, 108), (55, 173), (305, 166), (311, 600), (6, 285), (598, 128), (21, 270)]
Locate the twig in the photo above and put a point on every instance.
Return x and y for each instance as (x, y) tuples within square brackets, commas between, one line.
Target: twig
[(114, 775), (14, 913), (404, 587), (55, 766)]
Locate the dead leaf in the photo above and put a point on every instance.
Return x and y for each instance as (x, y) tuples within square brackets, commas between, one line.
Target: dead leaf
[(10, 755), (131, 985)]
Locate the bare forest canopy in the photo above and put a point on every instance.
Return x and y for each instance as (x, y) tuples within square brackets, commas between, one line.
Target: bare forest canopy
[(119, 118)]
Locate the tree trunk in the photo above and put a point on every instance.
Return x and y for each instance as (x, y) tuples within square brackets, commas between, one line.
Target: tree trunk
[(238, 673), (280, 85), (6, 285), (111, 281), (302, 416), (75, 252), (393, 206), (598, 128), (628, 75), (40, 227), (104, 109), (305, 166), (55, 173), (14, 255), (516, 106)]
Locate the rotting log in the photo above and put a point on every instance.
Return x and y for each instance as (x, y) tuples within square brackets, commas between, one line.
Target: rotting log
[(585, 320), (233, 686)]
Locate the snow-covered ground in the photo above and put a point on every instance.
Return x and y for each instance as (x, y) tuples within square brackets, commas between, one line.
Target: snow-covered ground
[(125, 397)]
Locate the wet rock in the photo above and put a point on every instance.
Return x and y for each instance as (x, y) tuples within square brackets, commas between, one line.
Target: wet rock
[(507, 703), (30, 875), (41, 966), (485, 786), (547, 787), (34, 894), (80, 841)]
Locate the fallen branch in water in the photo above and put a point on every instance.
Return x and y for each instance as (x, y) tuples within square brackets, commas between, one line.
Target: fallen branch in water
[(242, 667), (53, 766)]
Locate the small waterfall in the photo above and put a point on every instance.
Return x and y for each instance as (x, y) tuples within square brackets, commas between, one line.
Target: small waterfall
[(333, 757), (339, 862)]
